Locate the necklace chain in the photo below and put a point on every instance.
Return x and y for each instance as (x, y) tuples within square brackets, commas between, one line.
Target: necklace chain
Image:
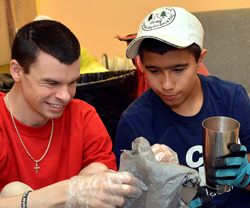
[(51, 134)]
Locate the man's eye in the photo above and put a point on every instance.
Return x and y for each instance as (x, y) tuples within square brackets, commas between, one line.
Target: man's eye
[(52, 83), (73, 84)]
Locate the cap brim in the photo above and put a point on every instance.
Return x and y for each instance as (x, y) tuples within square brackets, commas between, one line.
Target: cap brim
[(133, 48)]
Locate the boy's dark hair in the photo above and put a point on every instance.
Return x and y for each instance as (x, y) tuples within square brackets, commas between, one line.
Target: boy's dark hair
[(48, 36), (156, 46)]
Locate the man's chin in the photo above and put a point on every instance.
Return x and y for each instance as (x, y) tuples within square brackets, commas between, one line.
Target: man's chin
[(54, 115)]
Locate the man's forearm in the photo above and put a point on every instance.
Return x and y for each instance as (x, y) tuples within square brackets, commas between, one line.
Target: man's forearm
[(53, 196)]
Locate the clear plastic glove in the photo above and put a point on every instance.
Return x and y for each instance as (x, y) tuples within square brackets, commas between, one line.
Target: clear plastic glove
[(105, 189), (164, 153)]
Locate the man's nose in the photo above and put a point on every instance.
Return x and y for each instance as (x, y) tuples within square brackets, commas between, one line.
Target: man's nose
[(63, 94)]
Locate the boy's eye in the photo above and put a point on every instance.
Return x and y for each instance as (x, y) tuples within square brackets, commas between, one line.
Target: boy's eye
[(178, 70), (154, 71)]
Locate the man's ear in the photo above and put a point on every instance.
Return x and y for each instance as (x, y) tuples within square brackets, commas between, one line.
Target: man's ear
[(15, 70), (202, 57)]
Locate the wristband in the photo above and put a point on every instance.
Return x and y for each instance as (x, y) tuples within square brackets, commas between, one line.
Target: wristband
[(25, 199)]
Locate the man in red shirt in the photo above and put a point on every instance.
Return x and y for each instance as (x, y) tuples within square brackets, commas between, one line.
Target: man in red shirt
[(52, 143)]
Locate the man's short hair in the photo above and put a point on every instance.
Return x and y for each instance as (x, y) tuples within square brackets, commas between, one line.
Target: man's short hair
[(48, 36)]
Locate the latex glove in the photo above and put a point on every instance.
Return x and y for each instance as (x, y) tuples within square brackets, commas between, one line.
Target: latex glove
[(233, 168), (164, 153), (201, 199), (105, 189)]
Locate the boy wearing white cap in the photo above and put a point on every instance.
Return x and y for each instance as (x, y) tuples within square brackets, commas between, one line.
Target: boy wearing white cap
[(170, 45)]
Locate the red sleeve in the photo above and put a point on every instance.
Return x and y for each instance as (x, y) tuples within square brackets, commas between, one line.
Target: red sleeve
[(97, 146)]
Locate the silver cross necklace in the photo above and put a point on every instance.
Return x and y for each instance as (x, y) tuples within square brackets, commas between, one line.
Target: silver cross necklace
[(51, 134)]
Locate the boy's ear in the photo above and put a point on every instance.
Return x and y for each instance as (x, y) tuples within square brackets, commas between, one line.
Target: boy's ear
[(15, 70), (202, 57)]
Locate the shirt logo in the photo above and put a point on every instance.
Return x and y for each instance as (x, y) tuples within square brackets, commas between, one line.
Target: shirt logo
[(159, 18)]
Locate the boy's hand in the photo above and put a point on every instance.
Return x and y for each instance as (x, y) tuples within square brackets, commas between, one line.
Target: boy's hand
[(164, 153), (233, 168), (201, 200)]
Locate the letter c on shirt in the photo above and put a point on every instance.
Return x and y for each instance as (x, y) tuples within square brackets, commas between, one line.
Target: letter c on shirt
[(190, 155)]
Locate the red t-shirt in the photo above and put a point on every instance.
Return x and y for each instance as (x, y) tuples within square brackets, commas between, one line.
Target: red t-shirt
[(79, 139)]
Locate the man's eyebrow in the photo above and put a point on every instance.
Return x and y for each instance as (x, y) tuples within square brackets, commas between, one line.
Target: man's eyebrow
[(55, 81), (169, 67), (76, 80), (49, 80)]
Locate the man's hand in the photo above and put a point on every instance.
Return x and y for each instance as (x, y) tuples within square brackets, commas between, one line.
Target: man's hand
[(105, 189), (94, 167), (233, 168), (201, 200)]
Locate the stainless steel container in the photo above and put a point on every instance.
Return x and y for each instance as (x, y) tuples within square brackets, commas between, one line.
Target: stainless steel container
[(217, 133)]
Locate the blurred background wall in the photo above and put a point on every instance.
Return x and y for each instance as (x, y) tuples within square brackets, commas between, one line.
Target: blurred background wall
[(97, 22)]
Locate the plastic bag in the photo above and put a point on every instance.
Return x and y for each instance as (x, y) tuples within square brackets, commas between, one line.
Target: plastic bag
[(169, 185)]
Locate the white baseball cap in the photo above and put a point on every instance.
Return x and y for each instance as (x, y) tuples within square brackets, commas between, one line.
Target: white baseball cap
[(172, 25)]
